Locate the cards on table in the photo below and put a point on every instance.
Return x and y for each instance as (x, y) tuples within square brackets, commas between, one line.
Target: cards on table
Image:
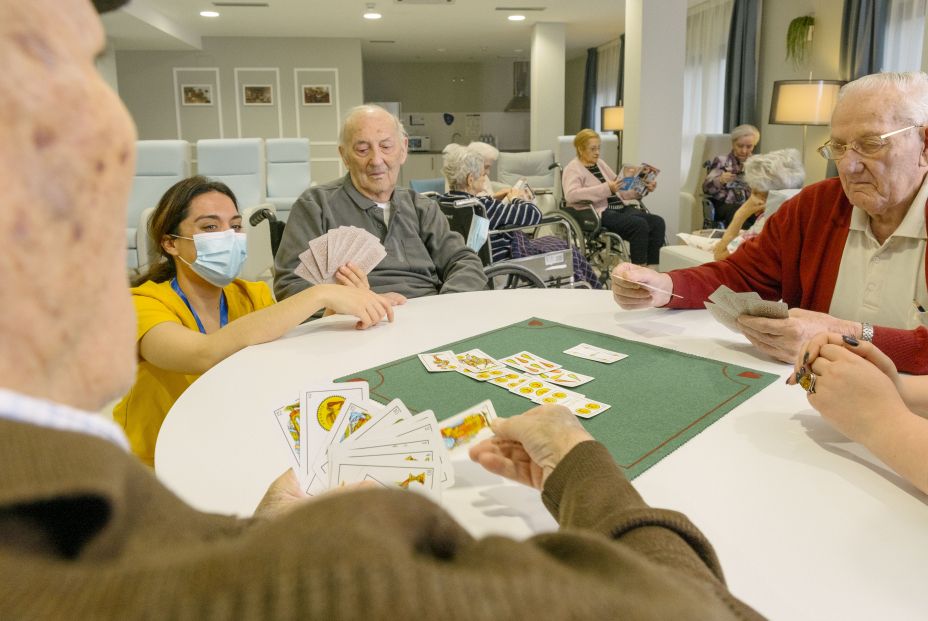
[(535, 378), (329, 252), (597, 354)]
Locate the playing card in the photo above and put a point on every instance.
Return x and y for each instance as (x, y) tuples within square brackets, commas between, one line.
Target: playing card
[(563, 377), (530, 363), (353, 417), (526, 386), (319, 408), (766, 308), (439, 361), (478, 361), (471, 425), (484, 376), (393, 472), (288, 418), (597, 354), (723, 316), (725, 299), (586, 408), (319, 249), (549, 394), (508, 379)]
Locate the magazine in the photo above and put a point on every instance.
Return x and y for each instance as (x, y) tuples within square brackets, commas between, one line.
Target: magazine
[(637, 178)]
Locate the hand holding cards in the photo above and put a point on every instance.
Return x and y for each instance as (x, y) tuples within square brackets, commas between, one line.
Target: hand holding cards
[(726, 305), (329, 252)]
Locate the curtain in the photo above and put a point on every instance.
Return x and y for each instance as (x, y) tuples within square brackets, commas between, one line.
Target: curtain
[(707, 27), (589, 113), (862, 37), (620, 88), (741, 65), (607, 78), (902, 49)]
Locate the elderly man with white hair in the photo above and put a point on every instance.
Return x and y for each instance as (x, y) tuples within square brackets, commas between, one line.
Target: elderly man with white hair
[(847, 255), (424, 256)]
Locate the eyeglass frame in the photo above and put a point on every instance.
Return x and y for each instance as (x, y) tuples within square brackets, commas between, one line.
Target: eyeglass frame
[(854, 144)]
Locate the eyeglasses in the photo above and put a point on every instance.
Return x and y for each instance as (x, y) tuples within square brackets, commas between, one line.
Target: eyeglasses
[(868, 145)]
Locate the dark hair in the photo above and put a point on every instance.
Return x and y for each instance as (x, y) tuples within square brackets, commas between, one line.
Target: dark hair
[(171, 211)]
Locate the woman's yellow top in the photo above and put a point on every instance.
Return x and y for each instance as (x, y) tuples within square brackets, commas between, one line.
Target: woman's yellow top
[(143, 409)]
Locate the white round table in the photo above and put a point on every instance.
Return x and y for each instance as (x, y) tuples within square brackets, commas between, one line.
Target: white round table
[(807, 524)]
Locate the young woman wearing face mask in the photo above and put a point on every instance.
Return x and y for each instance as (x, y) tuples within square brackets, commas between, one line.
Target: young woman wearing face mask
[(193, 312)]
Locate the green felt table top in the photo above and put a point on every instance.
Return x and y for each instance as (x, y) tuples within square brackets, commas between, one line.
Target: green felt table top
[(660, 398)]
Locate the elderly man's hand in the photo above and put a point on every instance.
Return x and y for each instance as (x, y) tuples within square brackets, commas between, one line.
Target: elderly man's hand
[(285, 494), (782, 338), (629, 294), (528, 447)]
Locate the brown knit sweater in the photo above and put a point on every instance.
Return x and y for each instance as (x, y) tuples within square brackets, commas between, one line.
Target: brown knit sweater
[(86, 532)]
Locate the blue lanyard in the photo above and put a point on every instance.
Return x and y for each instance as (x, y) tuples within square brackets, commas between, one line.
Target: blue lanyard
[(223, 307)]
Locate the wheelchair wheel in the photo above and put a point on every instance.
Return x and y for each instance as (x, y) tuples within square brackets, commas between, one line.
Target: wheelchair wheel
[(504, 276), (607, 251)]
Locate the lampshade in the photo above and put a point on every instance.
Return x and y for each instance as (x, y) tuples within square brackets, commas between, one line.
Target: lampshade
[(803, 102), (612, 118)]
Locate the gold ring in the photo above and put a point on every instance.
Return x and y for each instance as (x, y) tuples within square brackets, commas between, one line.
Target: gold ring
[(807, 381)]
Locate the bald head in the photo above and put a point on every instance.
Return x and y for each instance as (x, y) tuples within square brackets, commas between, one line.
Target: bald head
[(373, 147)]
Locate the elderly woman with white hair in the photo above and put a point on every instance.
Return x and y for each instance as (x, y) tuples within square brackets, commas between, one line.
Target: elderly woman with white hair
[(725, 185), (484, 186), (463, 170), (773, 178)]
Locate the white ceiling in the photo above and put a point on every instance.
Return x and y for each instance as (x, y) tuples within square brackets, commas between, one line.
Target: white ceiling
[(459, 30)]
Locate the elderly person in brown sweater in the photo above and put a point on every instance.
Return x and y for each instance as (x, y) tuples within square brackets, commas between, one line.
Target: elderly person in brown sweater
[(87, 532)]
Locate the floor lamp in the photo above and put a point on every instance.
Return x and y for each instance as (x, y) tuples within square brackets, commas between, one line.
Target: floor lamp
[(803, 102), (612, 119)]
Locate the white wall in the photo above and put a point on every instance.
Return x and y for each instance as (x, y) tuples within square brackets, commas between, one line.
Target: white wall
[(824, 63), (147, 86)]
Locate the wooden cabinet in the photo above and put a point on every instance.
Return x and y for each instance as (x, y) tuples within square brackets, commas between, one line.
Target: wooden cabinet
[(420, 166)]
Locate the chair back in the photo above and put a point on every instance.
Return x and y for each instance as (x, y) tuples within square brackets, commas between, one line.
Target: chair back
[(239, 163), (460, 214), (288, 172), (421, 186), (705, 147), (159, 164), (534, 166), (608, 150)]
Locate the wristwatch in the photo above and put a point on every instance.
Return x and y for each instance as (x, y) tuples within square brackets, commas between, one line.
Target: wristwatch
[(866, 331)]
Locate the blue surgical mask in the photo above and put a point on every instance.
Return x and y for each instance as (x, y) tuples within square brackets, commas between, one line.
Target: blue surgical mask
[(220, 256)]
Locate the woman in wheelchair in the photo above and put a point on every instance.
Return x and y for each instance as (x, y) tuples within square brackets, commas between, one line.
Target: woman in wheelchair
[(725, 185), (193, 312), (463, 169), (588, 178)]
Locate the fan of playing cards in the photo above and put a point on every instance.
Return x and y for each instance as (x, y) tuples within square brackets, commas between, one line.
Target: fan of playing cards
[(337, 435), (329, 252), (726, 305)]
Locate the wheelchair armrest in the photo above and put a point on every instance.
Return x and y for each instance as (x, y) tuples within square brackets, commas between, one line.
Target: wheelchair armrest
[(579, 205)]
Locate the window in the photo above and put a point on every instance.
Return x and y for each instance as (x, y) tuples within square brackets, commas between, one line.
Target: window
[(707, 26), (905, 30), (607, 78)]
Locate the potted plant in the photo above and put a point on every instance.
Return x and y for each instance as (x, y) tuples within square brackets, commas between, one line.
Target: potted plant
[(799, 39)]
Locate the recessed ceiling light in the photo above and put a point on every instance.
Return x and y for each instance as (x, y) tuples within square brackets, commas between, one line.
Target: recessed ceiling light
[(371, 12), (516, 18), (209, 14)]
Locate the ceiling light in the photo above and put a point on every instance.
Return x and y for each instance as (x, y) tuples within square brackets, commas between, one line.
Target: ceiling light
[(516, 18), (371, 12), (209, 14)]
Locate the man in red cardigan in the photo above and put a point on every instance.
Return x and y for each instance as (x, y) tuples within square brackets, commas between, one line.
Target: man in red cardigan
[(847, 255)]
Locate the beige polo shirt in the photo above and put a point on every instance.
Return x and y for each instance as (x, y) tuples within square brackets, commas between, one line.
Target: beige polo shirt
[(877, 283)]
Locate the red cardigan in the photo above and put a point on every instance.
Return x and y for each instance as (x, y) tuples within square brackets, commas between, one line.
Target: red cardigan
[(796, 258)]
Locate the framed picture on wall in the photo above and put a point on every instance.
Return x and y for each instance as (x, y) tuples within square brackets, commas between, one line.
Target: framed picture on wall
[(196, 94), (317, 94), (258, 95)]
